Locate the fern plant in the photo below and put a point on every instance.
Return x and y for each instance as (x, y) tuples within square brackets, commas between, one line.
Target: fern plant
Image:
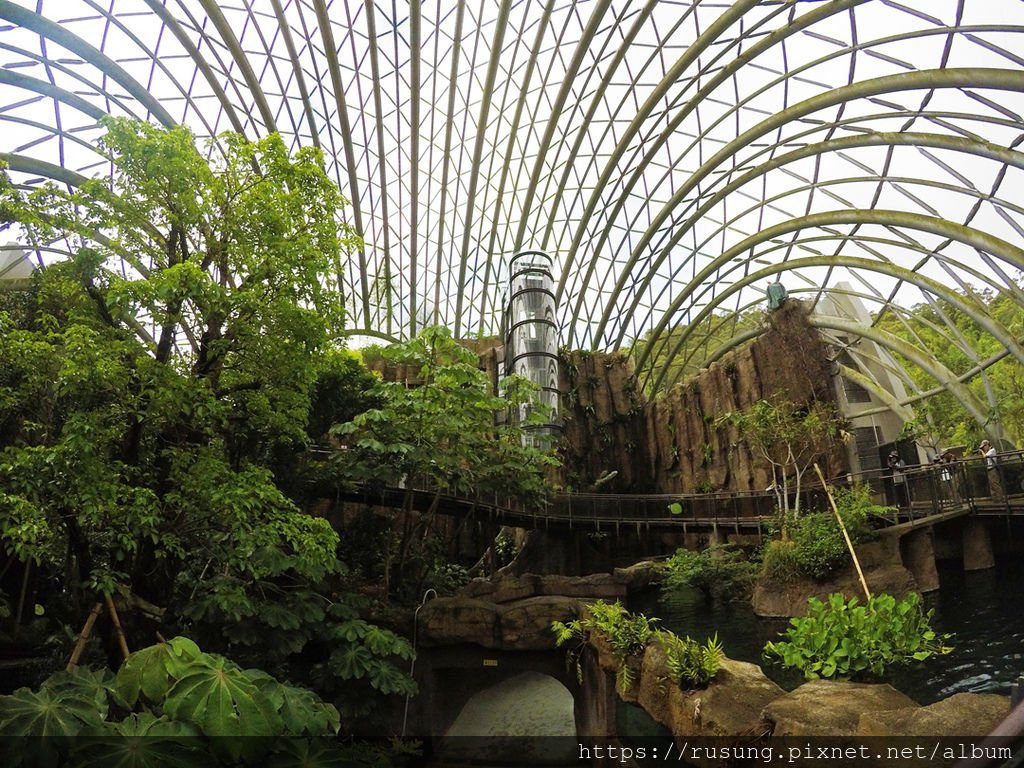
[(690, 664), (626, 635)]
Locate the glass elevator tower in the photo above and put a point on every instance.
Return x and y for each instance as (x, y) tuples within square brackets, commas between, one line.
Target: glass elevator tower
[(531, 339)]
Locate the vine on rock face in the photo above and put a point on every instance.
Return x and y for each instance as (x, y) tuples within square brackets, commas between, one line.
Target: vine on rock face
[(845, 639)]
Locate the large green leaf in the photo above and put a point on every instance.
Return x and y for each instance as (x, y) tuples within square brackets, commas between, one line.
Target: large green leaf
[(145, 741), (96, 685), (152, 671), (222, 701), (48, 713), (303, 753)]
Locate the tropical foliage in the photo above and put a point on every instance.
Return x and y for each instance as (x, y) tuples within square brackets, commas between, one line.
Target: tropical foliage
[(847, 639), (626, 635), (193, 709), (690, 664), (790, 437), (438, 431), (155, 422), (816, 548), (941, 420), (720, 571)]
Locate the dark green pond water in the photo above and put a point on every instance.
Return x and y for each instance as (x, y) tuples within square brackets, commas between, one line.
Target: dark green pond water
[(983, 611)]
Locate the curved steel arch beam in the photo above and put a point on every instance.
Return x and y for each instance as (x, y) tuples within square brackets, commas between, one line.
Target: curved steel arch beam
[(597, 100), (113, 20), (449, 129), (478, 148), (378, 109), (932, 367), (331, 52), (24, 164), (227, 36), (1003, 79), (498, 159), (582, 47), (868, 383), (43, 88), (60, 35), (300, 78), (506, 169), (972, 237), (858, 240), (936, 141), (767, 149), (761, 46), (782, 80), (368, 332), (972, 310), (693, 52), (163, 13), (415, 74), (964, 377), (738, 339)]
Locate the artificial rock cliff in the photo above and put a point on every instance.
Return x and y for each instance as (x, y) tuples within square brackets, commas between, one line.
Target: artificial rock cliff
[(673, 443)]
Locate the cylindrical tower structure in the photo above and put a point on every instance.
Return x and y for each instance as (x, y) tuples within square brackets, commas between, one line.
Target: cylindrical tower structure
[(531, 339)]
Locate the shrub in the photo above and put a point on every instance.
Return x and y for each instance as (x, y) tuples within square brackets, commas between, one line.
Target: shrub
[(690, 664), (820, 547), (720, 571), (816, 548), (779, 561), (848, 640), (625, 633)]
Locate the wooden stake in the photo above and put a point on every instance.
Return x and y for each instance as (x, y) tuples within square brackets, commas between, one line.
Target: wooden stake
[(76, 654), (842, 527), (117, 625)]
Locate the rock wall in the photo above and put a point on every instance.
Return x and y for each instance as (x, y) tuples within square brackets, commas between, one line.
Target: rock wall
[(673, 444)]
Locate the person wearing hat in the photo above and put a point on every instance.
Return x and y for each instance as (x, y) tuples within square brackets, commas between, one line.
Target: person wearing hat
[(995, 482), (899, 480)]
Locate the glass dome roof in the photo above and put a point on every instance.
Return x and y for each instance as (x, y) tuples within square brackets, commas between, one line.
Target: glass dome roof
[(673, 157)]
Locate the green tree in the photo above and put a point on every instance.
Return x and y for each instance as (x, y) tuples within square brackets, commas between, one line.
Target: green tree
[(440, 432), (946, 330), (145, 412), (790, 437)]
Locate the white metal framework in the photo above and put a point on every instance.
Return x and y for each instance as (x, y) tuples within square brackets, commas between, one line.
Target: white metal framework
[(673, 157)]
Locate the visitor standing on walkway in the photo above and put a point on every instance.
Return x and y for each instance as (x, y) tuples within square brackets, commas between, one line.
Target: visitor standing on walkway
[(899, 480), (995, 482)]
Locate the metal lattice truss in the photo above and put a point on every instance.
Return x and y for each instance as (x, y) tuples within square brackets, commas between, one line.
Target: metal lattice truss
[(673, 157)]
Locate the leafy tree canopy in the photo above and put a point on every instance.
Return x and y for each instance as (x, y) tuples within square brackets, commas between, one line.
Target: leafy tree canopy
[(145, 412), (942, 418)]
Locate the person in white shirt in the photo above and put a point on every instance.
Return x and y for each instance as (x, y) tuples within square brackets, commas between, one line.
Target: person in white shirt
[(995, 482)]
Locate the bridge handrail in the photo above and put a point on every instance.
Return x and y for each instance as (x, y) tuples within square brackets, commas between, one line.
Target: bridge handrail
[(932, 488)]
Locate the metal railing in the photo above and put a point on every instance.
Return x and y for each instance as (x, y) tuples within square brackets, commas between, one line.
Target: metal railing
[(967, 486)]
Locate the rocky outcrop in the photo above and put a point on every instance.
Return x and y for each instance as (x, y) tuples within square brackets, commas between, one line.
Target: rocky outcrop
[(963, 714), (514, 613), (730, 705), (883, 571), (674, 444), (830, 708), (519, 625)]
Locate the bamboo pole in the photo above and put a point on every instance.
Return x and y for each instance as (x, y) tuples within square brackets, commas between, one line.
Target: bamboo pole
[(842, 527), (76, 654), (21, 598), (117, 625)]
